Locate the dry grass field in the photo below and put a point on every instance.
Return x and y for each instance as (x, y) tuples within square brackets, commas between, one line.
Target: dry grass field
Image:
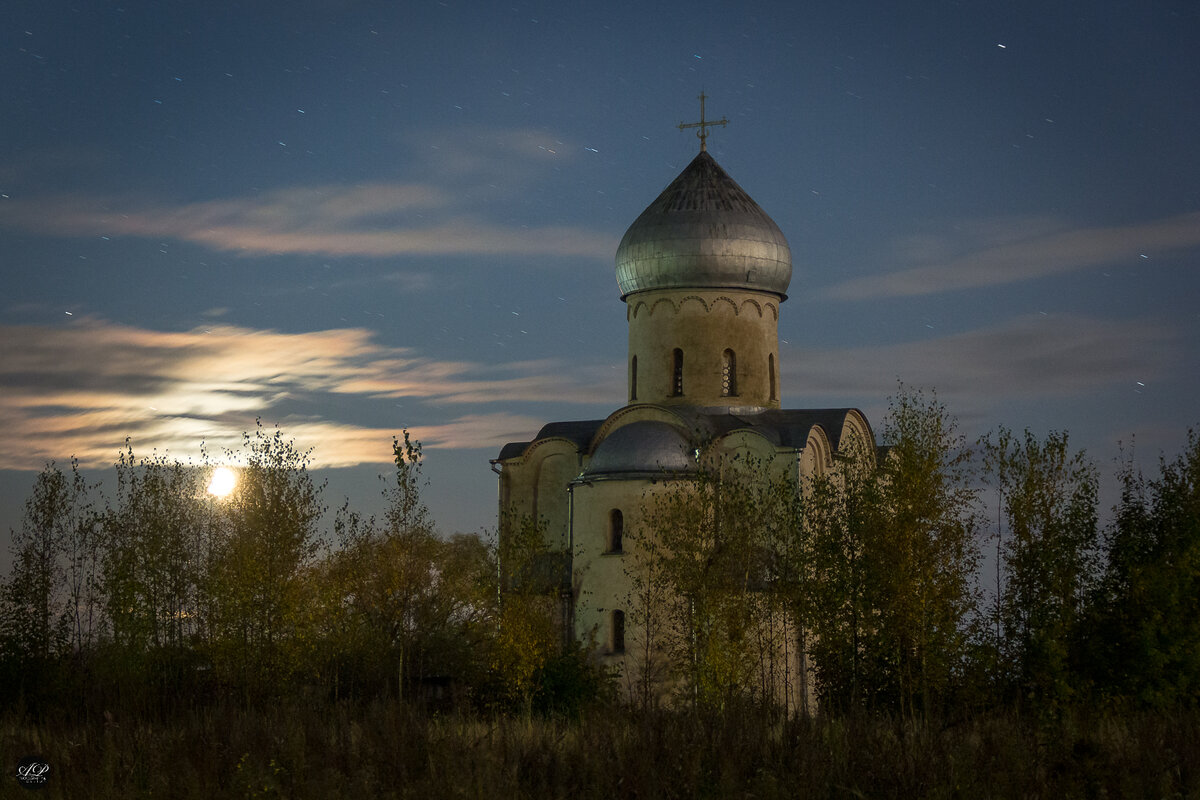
[(386, 750)]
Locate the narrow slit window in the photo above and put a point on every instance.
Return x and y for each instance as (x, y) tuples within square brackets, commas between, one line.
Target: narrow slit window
[(677, 373), (729, 374), (616, 531), (633, 378), (617, 640), (771, 374)]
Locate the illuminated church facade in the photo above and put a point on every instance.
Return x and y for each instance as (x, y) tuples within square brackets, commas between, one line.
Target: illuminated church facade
[(703, 272)]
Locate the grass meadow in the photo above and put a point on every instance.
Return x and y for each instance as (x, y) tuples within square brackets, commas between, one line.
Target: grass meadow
[(328, 751)]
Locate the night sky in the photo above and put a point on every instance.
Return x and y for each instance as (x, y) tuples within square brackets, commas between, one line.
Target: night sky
[(348, 218)]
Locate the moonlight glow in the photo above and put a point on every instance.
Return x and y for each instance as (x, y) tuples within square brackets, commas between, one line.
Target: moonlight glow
[(223, 481)]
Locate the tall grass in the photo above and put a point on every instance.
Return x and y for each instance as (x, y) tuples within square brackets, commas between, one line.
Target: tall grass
[(389, 750)]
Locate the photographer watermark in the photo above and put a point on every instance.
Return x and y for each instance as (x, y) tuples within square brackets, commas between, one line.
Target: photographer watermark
[(33, 772)]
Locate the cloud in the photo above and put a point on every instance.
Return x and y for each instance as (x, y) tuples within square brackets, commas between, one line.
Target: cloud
[(999, 253), (484, 155), (1036, 356), (81, 389), (378, 220), (337, 444), (468, 176)]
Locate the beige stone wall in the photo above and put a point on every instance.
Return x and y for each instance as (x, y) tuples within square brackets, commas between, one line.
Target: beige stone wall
[(602, 578), (703, 324), (600, 574), (603, 585), (535, 486)]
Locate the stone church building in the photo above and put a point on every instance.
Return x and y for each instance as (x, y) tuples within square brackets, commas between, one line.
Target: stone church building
[(702, 272)]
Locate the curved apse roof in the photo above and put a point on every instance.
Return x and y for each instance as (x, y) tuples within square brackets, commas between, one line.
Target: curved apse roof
[(645, 447), (704, 231)]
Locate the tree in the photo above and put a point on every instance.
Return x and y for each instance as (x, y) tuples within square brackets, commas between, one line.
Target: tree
[(257, 585), (1142, 639), (1047, 562), (82, 549), (44, 596), (649, 668), (893, 557), (150, 563), (835, 521), (48, 608), (406, 511), (703, 576), (922, 564), (418, 604), (529, 625)]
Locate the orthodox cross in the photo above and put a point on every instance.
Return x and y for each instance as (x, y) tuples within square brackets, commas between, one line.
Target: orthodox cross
[(703, 124)]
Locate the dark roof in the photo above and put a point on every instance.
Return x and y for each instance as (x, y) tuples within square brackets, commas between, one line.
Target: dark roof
[(578, 432), (643, 443), (644, 447), (512, 450), (791, 426)]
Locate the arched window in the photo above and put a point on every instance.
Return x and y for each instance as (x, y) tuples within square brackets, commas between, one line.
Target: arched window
[(729, 374), (771, 374), (633, 379), (616, 531), (677, 373), (617, 635)]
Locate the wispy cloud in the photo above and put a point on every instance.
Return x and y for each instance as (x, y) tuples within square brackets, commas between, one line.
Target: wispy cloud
[(999, 253), (449, 211), (82, 388), (374, 221), (489, 156), (1037, 356)]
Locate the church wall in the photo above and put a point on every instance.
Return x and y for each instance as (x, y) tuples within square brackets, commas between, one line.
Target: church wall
[(602, 575), (551, 500), (604, 584), (535, 486), (516, 490), (703, 325), (752, 451)]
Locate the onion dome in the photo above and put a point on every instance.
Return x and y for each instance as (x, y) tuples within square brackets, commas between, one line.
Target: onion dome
[(704, 232), (642, 448)]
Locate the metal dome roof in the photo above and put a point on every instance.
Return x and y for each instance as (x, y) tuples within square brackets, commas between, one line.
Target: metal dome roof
[(645, 447), (704, 231)]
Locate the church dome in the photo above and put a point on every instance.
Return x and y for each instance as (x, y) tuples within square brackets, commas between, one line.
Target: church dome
[(643, 448), (704, 232)]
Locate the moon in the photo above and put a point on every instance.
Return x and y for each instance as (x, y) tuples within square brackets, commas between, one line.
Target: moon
[(222, 482)]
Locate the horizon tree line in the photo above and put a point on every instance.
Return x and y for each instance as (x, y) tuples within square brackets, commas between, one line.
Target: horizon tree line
[(860, 589)]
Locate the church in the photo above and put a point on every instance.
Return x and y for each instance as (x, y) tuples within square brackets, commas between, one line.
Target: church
[(703, 272)]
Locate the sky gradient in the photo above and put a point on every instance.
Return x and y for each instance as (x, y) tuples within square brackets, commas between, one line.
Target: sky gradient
[(347, 218)]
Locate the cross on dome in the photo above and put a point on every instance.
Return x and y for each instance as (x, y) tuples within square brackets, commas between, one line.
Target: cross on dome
[(703, 125)]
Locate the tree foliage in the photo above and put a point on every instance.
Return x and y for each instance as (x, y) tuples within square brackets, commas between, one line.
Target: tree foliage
[(835, 520), (1049, 497), (704, 532), (894, 555), (747, 588), (267, 538), (1141, 643), (410, 607), (529, 635), (54, 573), (150, 564)]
